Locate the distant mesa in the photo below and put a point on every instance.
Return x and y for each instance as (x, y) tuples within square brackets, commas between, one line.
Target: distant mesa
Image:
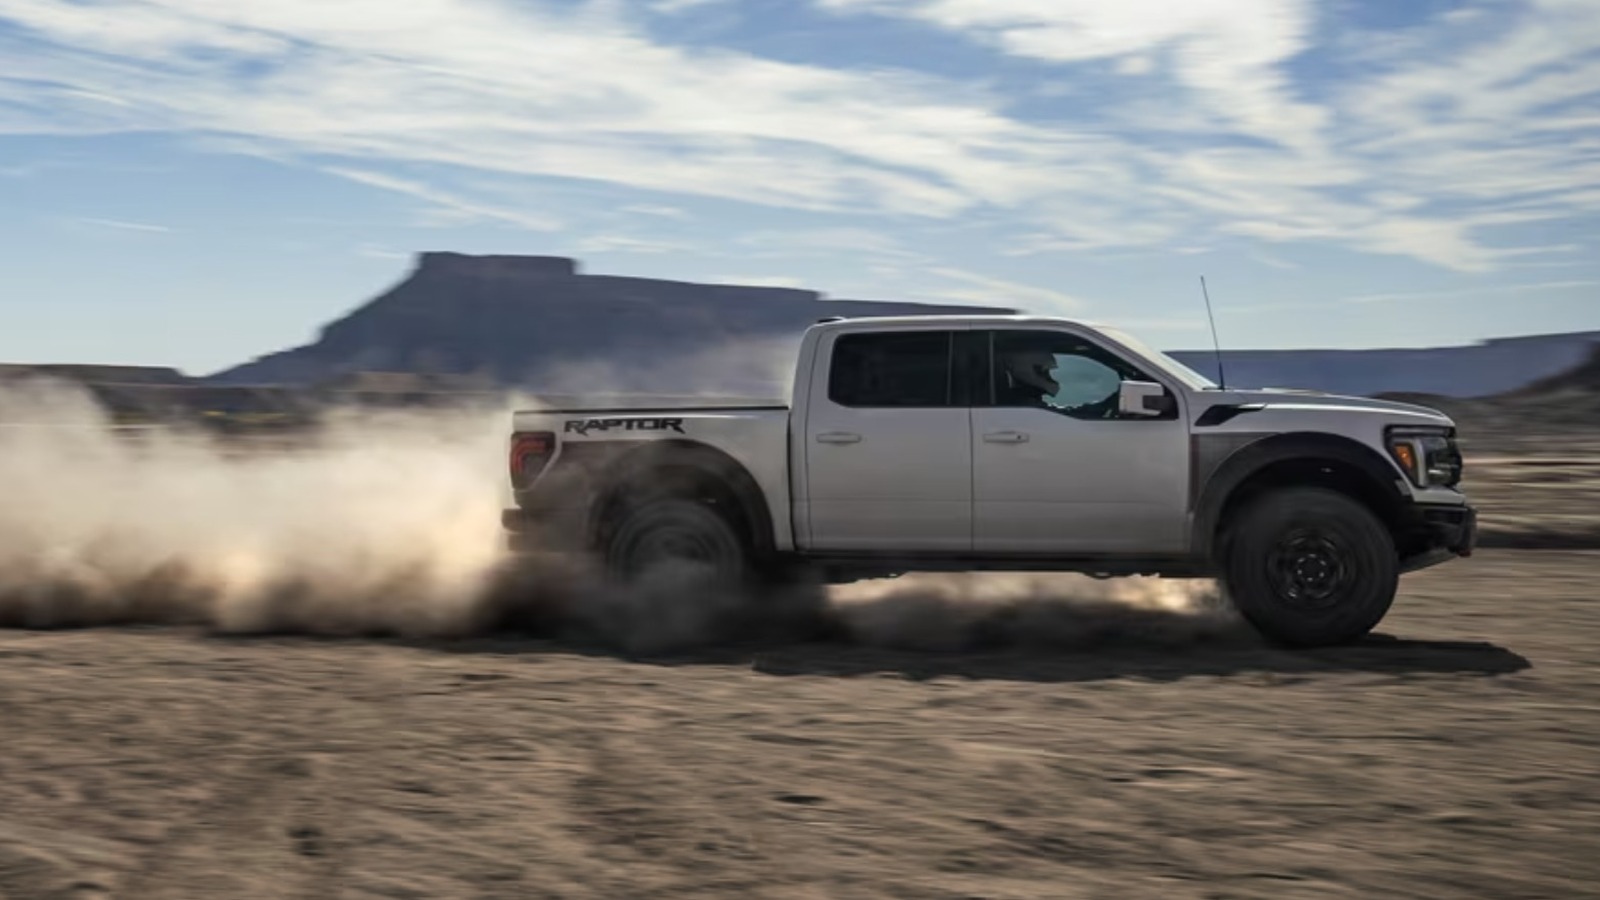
[(539, 322), (447, 263)]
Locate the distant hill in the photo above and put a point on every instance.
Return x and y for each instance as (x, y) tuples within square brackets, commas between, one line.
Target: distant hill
[(1477, 370), (141, 375), (534, 321), (1581, 379), (1559, 413)]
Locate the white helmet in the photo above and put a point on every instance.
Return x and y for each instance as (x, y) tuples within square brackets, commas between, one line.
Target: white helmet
[(1032, 368)]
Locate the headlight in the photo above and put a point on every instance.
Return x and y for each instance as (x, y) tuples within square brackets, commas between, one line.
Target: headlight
[(1429, 456)]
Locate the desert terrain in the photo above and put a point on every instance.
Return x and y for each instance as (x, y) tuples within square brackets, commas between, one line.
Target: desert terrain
[(1124, 754), (340, 695)]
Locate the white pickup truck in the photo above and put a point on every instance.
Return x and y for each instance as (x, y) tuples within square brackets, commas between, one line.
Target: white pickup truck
[(1011, 443)]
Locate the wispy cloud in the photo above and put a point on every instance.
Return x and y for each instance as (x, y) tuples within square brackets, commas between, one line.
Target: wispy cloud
[(1484, 291), (446, 207), (124, 225), (673, 7), (1525, 289), (621, 243), (976, 287), (1163, 325), (1188, 122), (862, 243), (657, 211), (378, 251), (778, 281), (1421, 148), (1267, 259), (455, 83), (1227, 54)]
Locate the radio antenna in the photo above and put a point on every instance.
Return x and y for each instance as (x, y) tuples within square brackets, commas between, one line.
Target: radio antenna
[(1222, 376)]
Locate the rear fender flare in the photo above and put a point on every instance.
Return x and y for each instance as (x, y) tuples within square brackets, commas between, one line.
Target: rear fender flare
[(637, 472)]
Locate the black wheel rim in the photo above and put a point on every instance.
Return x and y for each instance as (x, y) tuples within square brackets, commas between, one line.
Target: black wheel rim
[(672, 544), (1310, 568), (669, 543)]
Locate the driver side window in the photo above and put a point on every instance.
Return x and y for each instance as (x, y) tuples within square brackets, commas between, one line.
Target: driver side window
[(1059, 372)]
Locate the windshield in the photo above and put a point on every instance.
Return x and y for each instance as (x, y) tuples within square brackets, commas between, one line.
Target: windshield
[(1192, 379)]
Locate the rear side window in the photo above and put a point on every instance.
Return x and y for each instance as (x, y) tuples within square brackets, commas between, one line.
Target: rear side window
[(892, 369)]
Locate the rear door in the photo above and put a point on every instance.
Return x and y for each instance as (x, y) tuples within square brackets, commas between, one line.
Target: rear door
[(888, 443), (1057, 469)]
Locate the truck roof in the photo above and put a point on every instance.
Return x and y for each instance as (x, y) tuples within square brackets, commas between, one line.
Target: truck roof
[(980, 320)]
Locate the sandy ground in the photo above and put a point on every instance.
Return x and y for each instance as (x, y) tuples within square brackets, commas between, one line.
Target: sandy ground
[(1539, 501), (1456, 756)]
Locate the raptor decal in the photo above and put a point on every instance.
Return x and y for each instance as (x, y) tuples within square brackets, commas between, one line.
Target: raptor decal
[(583, 427)]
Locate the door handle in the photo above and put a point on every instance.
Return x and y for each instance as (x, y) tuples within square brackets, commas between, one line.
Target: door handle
[(838, 437), (1006, 437)]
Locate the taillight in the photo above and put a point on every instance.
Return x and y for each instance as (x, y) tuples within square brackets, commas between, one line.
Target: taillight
[(530, 453)]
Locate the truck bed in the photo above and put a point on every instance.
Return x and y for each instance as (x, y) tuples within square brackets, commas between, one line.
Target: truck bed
[(591, 439)]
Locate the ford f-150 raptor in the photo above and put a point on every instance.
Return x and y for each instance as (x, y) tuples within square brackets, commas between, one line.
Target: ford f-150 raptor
[(1012, 443)]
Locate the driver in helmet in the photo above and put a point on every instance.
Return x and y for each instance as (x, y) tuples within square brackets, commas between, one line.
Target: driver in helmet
[(1028, 377), (1035, 377)]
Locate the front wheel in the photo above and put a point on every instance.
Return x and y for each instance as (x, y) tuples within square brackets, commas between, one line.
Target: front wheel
[(1311, 567)]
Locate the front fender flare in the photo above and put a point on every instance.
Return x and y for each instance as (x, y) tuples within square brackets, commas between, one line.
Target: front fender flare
[(1386, 479)]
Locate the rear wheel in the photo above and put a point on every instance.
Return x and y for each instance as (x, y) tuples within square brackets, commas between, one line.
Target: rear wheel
[(1311, 567), (680, 537)]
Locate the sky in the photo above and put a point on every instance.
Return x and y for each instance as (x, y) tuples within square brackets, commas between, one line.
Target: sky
[(194, 183)]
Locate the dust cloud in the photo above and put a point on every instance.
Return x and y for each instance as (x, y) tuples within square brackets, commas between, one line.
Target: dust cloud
[(380, 522), (978, 611), (387, 524)]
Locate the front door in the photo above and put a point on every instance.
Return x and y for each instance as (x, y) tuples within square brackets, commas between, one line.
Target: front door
[(1056, 469), (888, 445)]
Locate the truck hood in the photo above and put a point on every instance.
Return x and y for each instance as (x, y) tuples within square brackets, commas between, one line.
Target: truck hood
[(1286, 400)]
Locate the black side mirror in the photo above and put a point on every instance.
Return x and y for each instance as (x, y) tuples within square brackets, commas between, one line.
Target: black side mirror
[(1145, 400)]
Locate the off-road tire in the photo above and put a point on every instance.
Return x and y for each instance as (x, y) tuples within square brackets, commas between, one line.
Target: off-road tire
[(671, 531), (1310, 567)]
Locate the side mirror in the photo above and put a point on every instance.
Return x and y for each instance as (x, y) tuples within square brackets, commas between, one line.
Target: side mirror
[(1145, 400)]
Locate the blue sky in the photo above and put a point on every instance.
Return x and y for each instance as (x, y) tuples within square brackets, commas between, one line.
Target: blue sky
[(193, 183)]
